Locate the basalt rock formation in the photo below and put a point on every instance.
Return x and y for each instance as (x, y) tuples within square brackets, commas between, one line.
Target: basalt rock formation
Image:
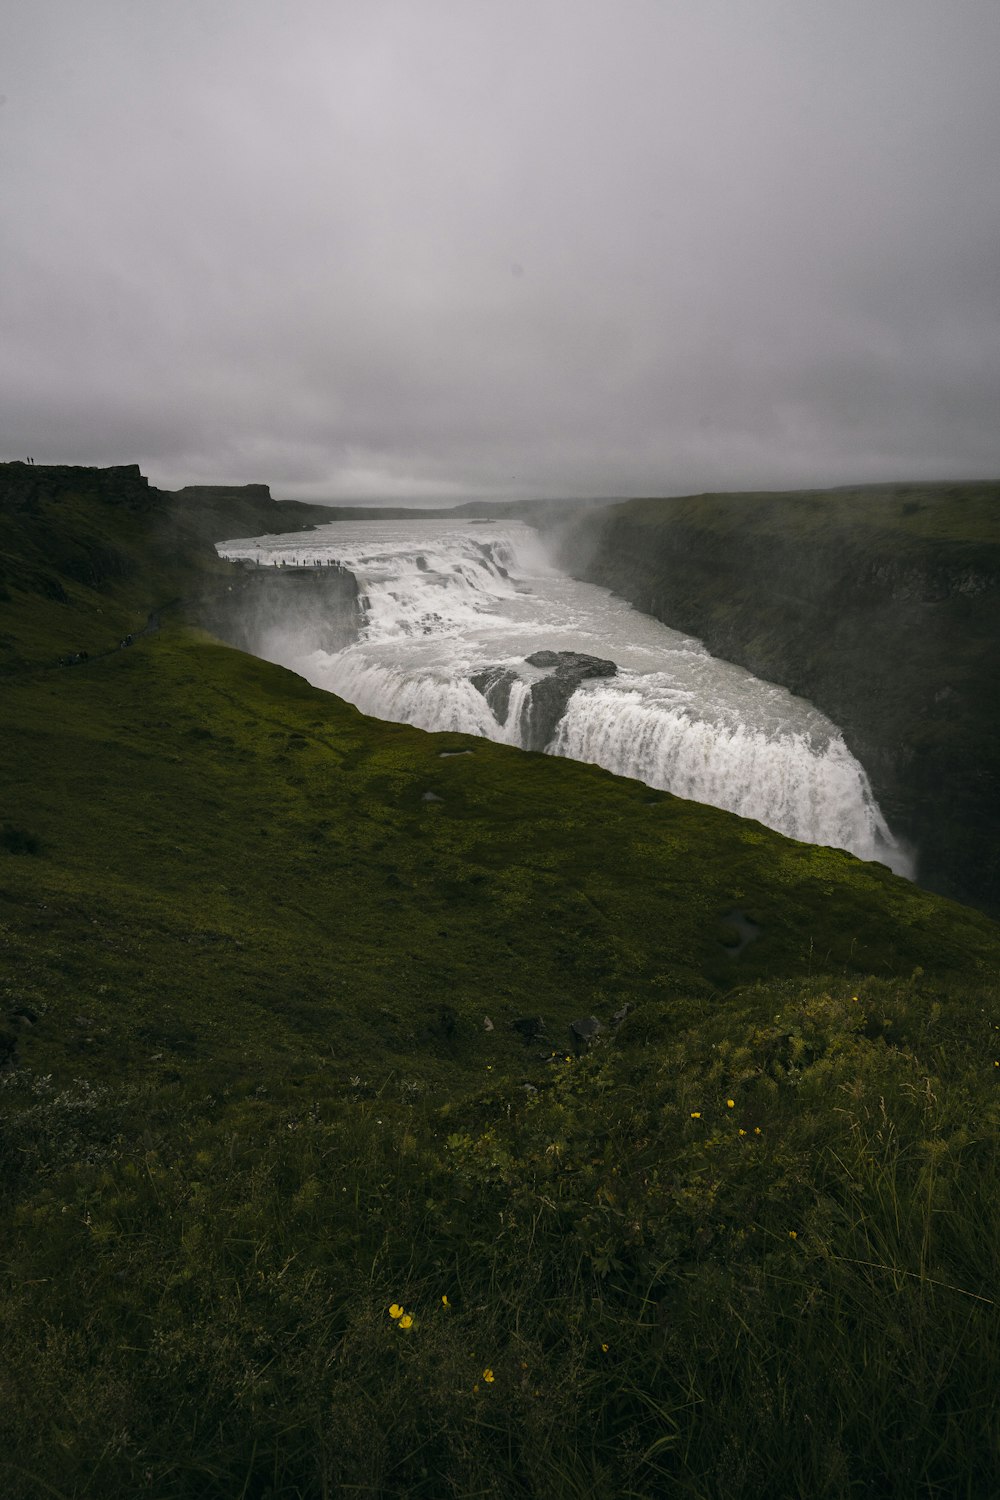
[(24, 487), (550, 695), (547, 696), (495, 684), (266, 609), (218, 512)]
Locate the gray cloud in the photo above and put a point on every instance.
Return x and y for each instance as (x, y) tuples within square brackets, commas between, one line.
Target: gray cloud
[(458, 247)]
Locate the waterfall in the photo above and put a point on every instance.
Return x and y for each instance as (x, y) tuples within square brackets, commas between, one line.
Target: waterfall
[(808, 787), (451, 613)]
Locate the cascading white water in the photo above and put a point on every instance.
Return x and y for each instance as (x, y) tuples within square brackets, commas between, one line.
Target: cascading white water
[(810, 791), (442, 601)]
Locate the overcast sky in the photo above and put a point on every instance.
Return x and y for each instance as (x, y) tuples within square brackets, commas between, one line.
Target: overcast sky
[(447, 248)]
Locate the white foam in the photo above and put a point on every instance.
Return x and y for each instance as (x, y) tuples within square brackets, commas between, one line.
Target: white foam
[(808, 787)]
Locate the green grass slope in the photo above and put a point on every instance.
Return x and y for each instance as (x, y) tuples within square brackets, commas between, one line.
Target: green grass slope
[(262, 1090)]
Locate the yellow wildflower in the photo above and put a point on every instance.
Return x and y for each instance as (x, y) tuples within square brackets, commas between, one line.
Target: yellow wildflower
[(742, 1131), (730, 1103), (696, 1114), (445, 1302), (396, 1311), (792, 1235), (488, 1376), (406, 1321), (604, 1347), (756, 1130)]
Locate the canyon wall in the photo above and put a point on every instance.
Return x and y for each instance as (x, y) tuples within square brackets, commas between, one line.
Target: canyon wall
[(879, 604)]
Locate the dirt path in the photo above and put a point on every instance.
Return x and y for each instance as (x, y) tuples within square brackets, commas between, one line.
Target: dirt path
[(152, 625)]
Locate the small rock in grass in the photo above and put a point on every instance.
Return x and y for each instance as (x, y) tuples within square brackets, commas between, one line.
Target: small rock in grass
[(529, 1028), (584, 1031)]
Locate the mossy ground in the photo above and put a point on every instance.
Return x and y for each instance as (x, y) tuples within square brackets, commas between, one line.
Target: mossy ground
[(251, 1101), (907, 514)]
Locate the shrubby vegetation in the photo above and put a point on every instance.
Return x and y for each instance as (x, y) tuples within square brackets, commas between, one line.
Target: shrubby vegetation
[(755, 1255), (292, 1208)]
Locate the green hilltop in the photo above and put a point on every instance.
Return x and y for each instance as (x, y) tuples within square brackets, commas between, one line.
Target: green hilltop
[(309, 1186)]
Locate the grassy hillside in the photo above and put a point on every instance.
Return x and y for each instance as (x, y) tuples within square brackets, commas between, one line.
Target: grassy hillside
[(309, 1189), (881, 604)]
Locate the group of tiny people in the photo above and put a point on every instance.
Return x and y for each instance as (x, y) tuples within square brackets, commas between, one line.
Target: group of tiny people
[(77, 658), (314, 562)]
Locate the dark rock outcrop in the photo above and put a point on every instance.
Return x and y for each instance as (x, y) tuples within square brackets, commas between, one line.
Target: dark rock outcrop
[(584, 1031), (214, 492), (547, 697), (25, 487), (550, 695), (217, 512), (318, 608), (495, 684)]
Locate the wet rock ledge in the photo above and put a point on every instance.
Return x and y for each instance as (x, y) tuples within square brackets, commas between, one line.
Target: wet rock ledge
[(548, 696)]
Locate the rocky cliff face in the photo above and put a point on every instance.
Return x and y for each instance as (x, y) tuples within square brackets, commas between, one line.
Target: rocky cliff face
[(881, 608), (25, 487), (217, 512), (73, 535), (283, 614), (547, 697), (43, 546), (199, 493)]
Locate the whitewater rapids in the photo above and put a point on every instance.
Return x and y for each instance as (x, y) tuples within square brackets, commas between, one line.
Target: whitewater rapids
[(442, 601)]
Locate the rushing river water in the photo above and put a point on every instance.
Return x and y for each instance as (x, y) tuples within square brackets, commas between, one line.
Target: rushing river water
[(447, 601)]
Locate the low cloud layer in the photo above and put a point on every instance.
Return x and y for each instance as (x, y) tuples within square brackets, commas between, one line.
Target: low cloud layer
[(447, 248)]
